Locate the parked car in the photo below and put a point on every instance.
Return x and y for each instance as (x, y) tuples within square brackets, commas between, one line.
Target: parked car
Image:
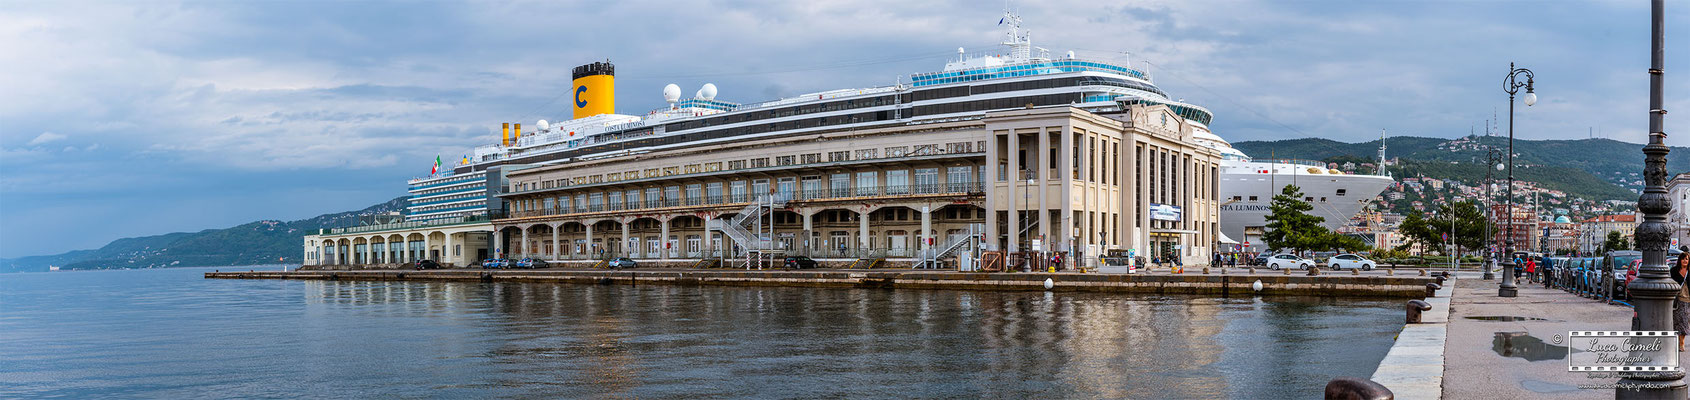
[(537, 263), (426, 264), (1289, 261), (494, 263), (1342, 261), (799, 262), (622, 262)]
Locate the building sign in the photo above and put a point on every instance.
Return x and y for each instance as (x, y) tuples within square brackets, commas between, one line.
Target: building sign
[(1164, 212)]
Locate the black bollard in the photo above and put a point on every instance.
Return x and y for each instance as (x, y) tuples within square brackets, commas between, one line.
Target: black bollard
[(1352, 388), (1432, 290), (1415, 307)]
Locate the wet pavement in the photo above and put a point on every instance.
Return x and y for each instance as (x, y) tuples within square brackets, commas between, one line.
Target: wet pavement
[(1516, 348)]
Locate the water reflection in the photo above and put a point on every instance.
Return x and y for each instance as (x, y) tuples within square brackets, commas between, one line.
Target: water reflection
[(662, 341), (435, 339)]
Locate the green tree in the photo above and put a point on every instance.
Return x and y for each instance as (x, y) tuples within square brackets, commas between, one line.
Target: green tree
[(1432, 231), (1615, 242), (1289, 225)]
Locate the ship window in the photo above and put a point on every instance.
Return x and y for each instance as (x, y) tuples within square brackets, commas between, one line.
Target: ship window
[(1238, 198), (1340, 192), (1323, 198), (1252, 198)]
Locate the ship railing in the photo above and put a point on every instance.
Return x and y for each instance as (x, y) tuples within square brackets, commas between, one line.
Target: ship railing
[(1294, 161), (411, 224)]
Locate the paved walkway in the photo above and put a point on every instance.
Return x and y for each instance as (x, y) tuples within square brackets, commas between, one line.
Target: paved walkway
[(1521, 359)]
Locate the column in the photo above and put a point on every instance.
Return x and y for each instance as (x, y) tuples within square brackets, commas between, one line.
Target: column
[(926, 228), (627, 247), (862, 229), (1014, 222), (1045, 177), (663, 239), (522, 248), (809, 226), (427, 244), (446, 255), (557, 246), (589, 246), (990, 186), (1065, 234)]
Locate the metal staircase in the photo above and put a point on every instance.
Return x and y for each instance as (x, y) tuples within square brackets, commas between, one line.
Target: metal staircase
[(736, 228), (930, 257)]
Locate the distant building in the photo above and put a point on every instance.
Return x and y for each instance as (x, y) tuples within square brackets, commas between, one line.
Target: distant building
[(1525, 225), (1594, 231), (1678, 189)]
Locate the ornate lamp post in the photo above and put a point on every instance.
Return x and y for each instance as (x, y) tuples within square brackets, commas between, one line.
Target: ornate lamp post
[(1492, 157), (1512, 86), (1653, 290)]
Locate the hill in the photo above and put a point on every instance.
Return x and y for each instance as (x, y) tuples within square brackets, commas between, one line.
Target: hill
[(256, 242), (1600, 169)]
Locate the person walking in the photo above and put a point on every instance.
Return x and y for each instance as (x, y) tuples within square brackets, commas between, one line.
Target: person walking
[(1215, 260), (1681, 305), (1531, 269)]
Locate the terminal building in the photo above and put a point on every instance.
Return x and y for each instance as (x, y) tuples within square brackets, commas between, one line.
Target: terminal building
[(1014, 153)]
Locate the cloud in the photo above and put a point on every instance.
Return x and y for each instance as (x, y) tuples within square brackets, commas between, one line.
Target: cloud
[(46, 137)]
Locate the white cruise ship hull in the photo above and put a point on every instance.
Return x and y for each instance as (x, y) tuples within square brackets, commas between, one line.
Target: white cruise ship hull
[(1247, 190)]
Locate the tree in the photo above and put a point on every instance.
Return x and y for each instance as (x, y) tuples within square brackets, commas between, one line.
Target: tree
[(1431, 231), (1615, 242), (1289, 225)]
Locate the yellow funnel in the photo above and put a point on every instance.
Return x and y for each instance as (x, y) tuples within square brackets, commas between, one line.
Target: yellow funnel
[(594, 91)]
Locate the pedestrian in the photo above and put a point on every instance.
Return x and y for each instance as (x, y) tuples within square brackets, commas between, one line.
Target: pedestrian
[(1215, 261), (1681, 305), (1531, 269)]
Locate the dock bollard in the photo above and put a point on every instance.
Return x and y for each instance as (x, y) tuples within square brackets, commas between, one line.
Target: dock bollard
[(1314, 271), (1347, 388), (1390, 272), (1205, 270), (1415, 307), (1432, 289), (1422, 272), (1355, 272)]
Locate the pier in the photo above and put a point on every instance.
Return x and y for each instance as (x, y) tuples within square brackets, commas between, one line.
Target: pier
[(1234, 282)]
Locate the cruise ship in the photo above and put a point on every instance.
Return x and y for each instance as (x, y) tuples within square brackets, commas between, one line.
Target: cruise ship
[(1017, 75)]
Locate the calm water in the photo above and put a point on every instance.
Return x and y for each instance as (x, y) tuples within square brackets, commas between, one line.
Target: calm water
[(171, 334)]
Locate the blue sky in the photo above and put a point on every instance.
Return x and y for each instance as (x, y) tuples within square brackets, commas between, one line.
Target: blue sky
[(123, 119)]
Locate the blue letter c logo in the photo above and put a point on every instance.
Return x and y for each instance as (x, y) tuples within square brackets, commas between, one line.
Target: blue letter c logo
[(578, 91)]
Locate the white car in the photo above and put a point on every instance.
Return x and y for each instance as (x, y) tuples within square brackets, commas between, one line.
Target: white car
[(1342, 261), (1289, 261)]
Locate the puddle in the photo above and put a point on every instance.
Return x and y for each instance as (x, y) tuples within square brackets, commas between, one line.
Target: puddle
[(1507, 318), (1548, 387), (1522, 345)]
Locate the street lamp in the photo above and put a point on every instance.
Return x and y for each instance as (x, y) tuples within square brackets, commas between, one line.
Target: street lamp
[(1512, 86), (1653, 291), (1492, 157)]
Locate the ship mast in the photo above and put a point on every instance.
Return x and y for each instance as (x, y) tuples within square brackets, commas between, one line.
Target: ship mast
[(1382, 170)]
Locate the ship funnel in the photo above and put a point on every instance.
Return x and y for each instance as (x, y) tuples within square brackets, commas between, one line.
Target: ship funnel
[(594, 89), (507, 140)]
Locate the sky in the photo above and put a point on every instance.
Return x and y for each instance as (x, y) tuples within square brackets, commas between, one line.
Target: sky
[(132, 118)]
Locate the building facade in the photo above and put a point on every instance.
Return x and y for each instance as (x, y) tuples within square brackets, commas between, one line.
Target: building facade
[(1049, 179), (1594, 231)]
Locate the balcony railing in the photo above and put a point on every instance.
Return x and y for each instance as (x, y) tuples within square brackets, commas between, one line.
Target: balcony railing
[(800, 195), (411, 224)]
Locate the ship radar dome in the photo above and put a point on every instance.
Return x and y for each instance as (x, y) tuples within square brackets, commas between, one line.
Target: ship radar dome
[(544, 126), (1070, 54), (672, 93), (708, 92)]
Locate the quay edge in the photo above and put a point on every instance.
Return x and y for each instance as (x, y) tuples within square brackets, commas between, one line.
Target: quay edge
[(1199, 284)]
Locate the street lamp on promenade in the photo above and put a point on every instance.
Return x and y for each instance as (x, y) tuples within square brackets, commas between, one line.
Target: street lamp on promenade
[(1512, 86), (1492, 157), (1653, 291)]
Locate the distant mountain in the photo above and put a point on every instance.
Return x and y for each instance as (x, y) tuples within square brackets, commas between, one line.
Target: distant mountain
[(1600, 169), (246, 244)]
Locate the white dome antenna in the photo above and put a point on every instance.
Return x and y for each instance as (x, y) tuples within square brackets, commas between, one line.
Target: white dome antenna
[(672, 93), (708, 92), (544, 126)]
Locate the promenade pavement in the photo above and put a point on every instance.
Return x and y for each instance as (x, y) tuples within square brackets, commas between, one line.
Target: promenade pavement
[(1515, 358)]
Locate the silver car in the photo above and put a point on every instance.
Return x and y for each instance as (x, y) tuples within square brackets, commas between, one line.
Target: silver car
[(1342, 261), (1289, 261)]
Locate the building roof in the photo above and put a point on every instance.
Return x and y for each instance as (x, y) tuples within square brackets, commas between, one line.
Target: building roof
[(1613, 218)]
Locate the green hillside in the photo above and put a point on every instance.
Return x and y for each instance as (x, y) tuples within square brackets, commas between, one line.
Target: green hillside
[(246, 244), (1598, 169)]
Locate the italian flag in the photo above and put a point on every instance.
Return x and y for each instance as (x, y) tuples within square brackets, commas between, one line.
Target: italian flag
[(436, 168)]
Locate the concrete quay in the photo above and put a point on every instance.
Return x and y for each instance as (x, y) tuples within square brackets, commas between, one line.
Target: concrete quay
[(1234, 282)]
